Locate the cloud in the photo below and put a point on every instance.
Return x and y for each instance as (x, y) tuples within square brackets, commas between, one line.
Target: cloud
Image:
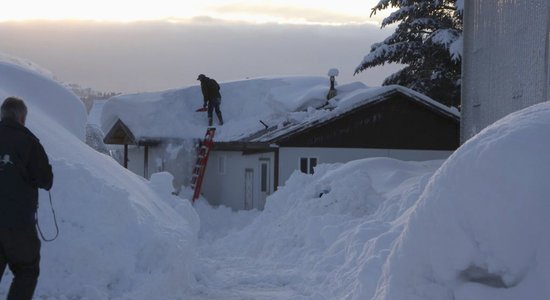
[(146, 56), (292, 14)]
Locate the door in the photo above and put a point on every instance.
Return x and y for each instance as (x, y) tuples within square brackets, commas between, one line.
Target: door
[(265, 181), (248, 188)]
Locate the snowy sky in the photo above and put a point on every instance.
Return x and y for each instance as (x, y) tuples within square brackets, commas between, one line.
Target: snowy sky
[(140, 46)]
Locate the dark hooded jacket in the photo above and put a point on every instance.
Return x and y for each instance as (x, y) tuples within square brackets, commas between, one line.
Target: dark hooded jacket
[(24, 167), (210, 89)]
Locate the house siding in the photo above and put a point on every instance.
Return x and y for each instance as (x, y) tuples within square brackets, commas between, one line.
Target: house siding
[(395, 123), (229, 188), (290, 156)]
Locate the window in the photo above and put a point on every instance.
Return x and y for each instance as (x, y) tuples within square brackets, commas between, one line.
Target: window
[(303, 165), (307, 164), (264, 177), (221, 164)]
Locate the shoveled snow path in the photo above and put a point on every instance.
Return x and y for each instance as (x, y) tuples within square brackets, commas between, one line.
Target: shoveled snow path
[(321, 236), (248, 278), (228, 274)]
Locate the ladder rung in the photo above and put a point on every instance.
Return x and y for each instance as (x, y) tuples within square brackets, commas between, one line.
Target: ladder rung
[(202, 157)]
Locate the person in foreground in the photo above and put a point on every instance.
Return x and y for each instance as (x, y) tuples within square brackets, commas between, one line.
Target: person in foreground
[(212, 97), (24, 167)]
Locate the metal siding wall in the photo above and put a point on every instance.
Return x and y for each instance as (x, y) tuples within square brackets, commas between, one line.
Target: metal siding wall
[(290, 156), (228, 189), (505, 62)]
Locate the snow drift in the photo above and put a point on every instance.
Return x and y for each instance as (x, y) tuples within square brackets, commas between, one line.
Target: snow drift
[(320, 236), (383, 229), (120, 236), (376, 228), (479, 230)]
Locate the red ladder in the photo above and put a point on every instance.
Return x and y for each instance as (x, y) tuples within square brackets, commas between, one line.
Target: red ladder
[(202, 158)]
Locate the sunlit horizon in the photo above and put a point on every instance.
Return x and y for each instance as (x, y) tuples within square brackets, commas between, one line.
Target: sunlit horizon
[(121, 46), (343, 12)]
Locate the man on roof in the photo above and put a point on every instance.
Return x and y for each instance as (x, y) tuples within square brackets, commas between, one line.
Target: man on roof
[(212, 97)]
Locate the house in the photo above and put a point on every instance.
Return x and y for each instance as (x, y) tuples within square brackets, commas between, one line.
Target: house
[(159, 131), (275, 126), (505, 60), (390, 121)]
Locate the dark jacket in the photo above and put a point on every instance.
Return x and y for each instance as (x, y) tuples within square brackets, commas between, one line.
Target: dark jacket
[(210, 89), (24, 167)]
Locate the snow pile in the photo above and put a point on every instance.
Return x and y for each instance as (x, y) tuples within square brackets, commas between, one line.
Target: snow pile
[(26, 64), (333, 72), (383, 229), (121, 237), (479, 231), (326, 235), (220, 221), (48, 98)]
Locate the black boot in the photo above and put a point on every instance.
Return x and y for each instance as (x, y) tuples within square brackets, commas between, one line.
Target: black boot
[(209, 121), (219, 114)]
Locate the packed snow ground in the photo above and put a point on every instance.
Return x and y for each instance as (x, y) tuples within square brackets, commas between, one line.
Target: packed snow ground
[(321, 236), (472, 227)]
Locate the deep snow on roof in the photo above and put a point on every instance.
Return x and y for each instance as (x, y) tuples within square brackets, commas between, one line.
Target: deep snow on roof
[(283, 104), (345, 103)]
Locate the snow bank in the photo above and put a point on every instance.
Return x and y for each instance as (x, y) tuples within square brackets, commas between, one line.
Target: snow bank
[(217, 222), (479, 231), (383, 229), (326, 235), (48, 97), (121, 237)]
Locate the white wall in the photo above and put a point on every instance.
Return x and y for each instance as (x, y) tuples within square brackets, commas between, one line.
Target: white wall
[(505, 60), (289, 158), (228, 188), (135, 159)]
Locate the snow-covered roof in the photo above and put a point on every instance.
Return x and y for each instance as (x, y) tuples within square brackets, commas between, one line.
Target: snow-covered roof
[(172, 114), (283, 104), (345, 103)]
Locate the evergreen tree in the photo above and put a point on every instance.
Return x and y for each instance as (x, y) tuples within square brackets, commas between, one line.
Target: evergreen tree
[(428, 39)]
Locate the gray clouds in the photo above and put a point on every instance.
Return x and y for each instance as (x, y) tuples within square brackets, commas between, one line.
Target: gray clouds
[(147, 56)]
